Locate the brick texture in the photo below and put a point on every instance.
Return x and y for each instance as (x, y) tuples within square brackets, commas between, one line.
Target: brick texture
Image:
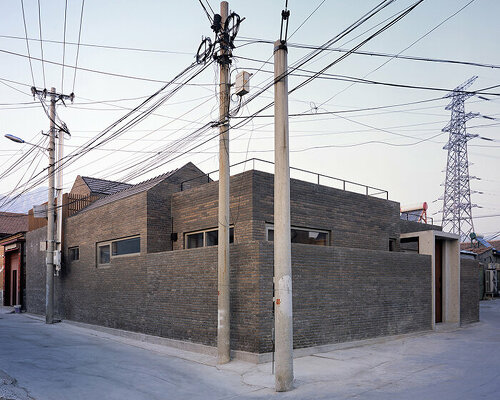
[(470, 275), (354, 220), (413, 226), (354, 289)]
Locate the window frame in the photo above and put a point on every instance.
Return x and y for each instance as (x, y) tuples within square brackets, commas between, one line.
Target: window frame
[(204, 241), (110, 244), (270, 227), (71, 253)]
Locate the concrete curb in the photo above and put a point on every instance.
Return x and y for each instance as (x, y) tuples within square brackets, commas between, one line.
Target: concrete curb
[(207, 354)]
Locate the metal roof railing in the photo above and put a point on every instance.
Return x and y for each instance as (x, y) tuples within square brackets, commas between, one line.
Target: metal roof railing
[(305, 175)]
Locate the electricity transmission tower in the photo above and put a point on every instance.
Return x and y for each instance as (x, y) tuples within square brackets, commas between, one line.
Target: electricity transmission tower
[(457, 207)]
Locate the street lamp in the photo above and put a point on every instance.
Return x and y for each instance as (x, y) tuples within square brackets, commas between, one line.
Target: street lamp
[(49, 258), (17, 139), (14, 138)]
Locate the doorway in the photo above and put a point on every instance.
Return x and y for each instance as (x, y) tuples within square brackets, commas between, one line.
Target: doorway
[(438, 271), (12, 272)]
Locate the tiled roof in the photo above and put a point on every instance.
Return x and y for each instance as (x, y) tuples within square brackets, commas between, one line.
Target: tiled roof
[(103, 186), (130, 191), (12, 223), (495, 244)]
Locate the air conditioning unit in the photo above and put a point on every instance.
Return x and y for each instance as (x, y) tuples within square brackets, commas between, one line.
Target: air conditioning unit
[(490, 281)]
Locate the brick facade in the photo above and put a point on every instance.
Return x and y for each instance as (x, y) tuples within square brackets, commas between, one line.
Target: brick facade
[(470, 294), (353, 289), (413, 226)]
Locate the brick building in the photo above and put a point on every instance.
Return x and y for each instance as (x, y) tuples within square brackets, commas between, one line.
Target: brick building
[(144, 259), (12, 254)]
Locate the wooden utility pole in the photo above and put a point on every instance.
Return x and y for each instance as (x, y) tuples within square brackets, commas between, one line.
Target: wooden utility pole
[(224, 310), (283, 321)]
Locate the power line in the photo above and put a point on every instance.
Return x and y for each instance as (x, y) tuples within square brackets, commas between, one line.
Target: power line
[(378, 54), (304, 60), (406, 48), (27, 43), (78, 45), (210, 19), (326, 76), (64, 45), (309, 16), (100, 46), (97, 71), (41, 42)]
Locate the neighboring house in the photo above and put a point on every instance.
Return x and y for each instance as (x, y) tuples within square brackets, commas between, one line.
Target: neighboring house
[(87, 186), (487, 253), (145, 259), (11, 223), (12, 271)]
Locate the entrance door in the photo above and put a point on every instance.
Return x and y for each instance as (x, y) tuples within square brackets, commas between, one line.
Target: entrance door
[(14, 278), (438, 265), (13, 299)]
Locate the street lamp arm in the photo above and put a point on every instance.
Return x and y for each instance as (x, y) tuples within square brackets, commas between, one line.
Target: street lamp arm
[(19, 140)]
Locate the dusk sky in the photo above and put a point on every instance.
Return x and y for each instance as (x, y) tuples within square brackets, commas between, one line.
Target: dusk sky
[(397, 148)]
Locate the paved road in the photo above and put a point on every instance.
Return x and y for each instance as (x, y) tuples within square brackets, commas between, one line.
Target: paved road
[(67, 362)]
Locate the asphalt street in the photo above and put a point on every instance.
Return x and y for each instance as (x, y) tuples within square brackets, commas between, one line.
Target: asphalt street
[(63, 361)]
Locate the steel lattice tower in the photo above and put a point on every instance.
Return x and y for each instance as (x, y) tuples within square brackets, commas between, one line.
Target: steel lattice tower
[(457, 207)]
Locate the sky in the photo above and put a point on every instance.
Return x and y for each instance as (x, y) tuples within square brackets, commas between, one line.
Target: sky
[(398, 149)]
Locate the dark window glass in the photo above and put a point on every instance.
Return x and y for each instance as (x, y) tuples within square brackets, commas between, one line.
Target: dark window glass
[(409, 245), (303, 236), (270, 235), (195, 240), (104, 255), (126, 246), (74, 253), (212, 237), (392, 244)]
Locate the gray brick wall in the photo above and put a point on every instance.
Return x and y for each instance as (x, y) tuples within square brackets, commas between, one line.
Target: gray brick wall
[(413, 226), (340, 294), (197, 209), (35, 271), (353, 290), (470, 275), (354, 220)]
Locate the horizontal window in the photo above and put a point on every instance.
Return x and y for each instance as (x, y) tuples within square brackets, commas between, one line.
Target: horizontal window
[(209, 237), (303, 235), (116, 248), (74, 253), (126, 246)]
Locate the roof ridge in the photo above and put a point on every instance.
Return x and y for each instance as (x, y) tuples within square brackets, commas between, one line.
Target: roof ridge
[(105, 180), (165, 174)]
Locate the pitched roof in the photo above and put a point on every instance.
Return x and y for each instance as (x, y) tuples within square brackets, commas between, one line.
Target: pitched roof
[(130, 191), (103, 186), (12, 223), (495, 244)]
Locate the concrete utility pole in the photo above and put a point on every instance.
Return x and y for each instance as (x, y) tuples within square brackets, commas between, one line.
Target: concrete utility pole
[(51, 241), (283, 318), (59, 182), (49, 285), (224, 310)]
